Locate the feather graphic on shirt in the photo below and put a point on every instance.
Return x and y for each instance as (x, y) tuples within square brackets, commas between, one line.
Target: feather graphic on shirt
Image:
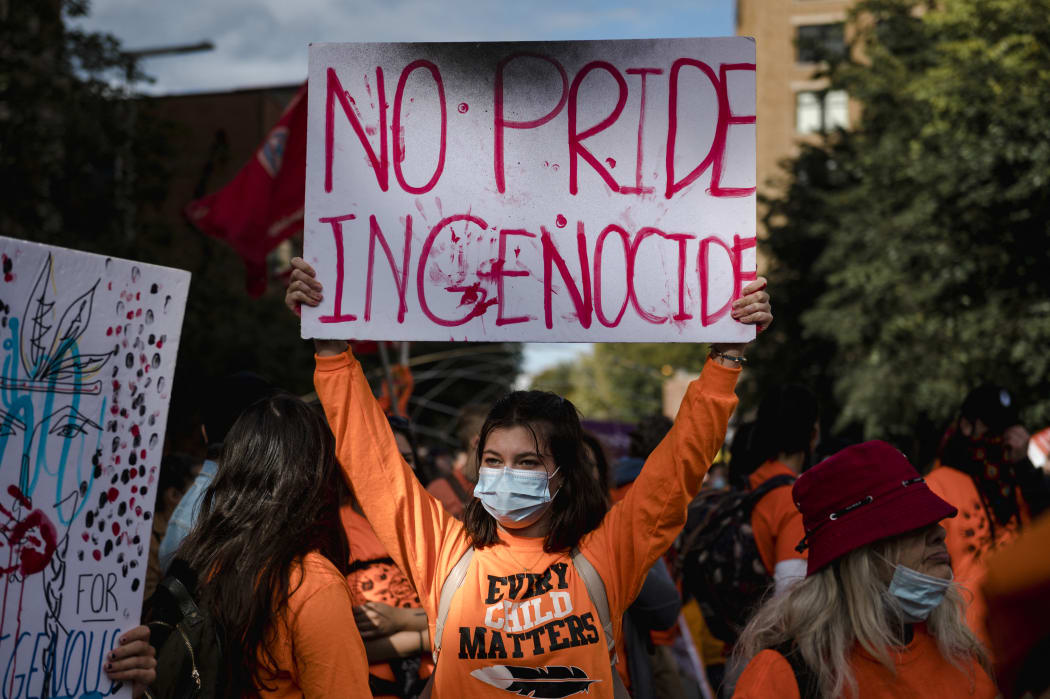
[(549, 682)]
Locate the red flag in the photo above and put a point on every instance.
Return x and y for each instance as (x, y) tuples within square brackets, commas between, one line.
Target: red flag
[(263, 205)]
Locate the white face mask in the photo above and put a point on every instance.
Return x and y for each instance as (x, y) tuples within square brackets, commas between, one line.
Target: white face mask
[(514, 496), (917, 594)]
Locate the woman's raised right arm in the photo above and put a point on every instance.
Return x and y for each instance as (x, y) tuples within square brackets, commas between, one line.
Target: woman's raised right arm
[(413, 527)]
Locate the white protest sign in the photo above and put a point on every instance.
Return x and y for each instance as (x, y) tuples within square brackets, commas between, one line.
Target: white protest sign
[(88, 354), (554, 192)]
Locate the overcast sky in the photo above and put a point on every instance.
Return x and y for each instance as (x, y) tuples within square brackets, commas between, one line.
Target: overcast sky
[(263, 42)]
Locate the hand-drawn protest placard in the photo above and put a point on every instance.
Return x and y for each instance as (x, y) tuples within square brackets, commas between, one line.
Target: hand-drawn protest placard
[(88, 353), (559, 191)]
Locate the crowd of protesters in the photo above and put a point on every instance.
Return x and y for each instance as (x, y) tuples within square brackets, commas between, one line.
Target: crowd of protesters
[(314, 555)]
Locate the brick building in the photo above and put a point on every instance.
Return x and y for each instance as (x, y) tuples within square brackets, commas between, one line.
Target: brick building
[(791, 37)]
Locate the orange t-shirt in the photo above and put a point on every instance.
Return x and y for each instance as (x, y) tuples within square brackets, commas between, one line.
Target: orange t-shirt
[(440, 488), (317, 648), (922, 673), (522, 619), (775, 520), (969, 539), (373, 577)]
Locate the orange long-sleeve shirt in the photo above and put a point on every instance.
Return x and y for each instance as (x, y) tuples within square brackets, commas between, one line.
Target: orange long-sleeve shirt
[(922, 673), (522, 617), (317, 648)]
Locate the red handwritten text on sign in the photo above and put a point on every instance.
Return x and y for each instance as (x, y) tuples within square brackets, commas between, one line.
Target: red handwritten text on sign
[(583, 191)]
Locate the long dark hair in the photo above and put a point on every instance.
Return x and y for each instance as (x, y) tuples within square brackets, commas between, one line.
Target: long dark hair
[(580, 504), (274, 499)]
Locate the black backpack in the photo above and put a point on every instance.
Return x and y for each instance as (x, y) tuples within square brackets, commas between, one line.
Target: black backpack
[(190, 659), (718, 559)]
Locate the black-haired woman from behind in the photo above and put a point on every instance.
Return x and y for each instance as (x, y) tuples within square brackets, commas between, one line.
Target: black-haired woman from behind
[(270, 555)]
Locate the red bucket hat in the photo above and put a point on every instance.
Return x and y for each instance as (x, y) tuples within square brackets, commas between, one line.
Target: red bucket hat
[(863, 493)]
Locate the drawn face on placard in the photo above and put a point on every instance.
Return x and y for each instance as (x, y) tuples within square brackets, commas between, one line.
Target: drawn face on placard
[(85, 374)]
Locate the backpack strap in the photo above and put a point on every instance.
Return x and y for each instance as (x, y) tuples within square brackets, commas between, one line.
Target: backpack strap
[(769, 486), (805, 678), (180, 594), (596, 591), (600, 599), (448, 591)]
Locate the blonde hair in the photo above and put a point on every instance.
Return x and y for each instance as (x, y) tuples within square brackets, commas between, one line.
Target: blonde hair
[(848, 603)]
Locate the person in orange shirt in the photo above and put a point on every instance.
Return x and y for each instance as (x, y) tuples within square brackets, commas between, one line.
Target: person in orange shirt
[(785, 434), (389, 616), (271, 553), (456, 488), (522, 621), (983, 469), (877, 614)]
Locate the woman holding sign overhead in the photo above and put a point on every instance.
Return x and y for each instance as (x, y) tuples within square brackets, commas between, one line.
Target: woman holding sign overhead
[(525, 595)]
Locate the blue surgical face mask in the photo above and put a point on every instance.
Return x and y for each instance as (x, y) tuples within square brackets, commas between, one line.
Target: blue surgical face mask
[(514, 496), (917, 594)]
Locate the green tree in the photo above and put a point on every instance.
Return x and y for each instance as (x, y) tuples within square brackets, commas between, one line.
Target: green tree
[(921, 234), (621, 381)]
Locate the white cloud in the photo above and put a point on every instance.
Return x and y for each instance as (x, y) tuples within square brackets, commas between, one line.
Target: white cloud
[(263, 42)]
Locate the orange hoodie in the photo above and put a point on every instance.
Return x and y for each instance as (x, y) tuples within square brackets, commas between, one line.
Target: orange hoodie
[(921, 671), (522, 622)]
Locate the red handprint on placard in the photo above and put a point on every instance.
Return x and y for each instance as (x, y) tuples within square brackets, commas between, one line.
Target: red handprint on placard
[(32, 539)]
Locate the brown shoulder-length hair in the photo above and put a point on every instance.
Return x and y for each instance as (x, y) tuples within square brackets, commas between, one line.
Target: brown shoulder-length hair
[(579, 505)]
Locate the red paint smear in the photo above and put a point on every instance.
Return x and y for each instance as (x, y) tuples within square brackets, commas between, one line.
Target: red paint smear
[(138, 511), (97, 554), (109, 331), (138, 313), (138, 295), (116, 385), (560, 221), (131, 314), (115, 409), (611, 162), (142, 454), (160, 343), (134, 489), (134, 430), (14, 492), (85, 536), (463, 107), (131, 502), (112, 494), (116, 459), (470, 293), (118, 329), (116, 528)]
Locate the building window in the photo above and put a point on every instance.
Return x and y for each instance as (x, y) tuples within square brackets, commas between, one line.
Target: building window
[(824, 110), (815, 43)]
